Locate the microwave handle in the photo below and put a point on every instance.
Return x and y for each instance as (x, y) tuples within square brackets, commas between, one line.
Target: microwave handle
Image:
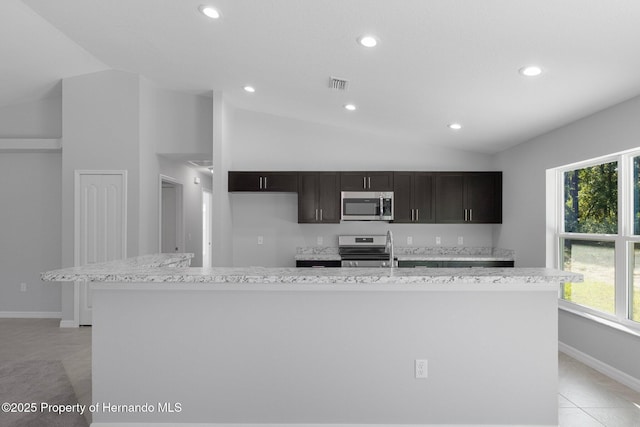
[(381, 207)]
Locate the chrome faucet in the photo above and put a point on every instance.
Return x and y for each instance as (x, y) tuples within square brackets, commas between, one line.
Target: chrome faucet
[(389, 248)]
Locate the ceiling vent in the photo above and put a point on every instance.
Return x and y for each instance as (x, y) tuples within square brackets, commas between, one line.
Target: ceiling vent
[(336, 83)]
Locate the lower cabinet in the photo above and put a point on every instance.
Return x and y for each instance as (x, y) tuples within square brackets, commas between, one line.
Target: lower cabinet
[(455, 264), (318, 263)]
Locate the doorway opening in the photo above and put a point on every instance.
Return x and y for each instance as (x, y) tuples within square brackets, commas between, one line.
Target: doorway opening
[(171, 223), (207, 202)]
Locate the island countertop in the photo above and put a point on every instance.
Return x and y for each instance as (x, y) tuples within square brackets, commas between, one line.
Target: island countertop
[(130, 271), (480, 328)]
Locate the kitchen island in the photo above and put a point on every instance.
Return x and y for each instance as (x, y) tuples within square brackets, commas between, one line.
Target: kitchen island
[(301, 346)]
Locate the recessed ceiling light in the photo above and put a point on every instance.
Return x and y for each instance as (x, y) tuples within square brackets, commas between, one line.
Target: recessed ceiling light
[(530, 71), (350, 107), (249, 89), (210, 12), (455, 126), (368, 41)]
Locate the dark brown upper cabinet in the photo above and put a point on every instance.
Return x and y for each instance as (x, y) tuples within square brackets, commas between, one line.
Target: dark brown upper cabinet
[(468, 197), (413, 197), (318, 197), (263, 181), (366, 181)]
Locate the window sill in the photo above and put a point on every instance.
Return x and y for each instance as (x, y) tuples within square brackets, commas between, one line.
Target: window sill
[(635, 331)]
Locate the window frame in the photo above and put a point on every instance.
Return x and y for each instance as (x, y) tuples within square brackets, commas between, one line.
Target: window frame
[(623, 240)]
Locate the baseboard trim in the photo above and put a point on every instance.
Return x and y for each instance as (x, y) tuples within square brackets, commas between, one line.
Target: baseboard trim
[(303, 425), (608, 370), (69, 324), (30, 314)]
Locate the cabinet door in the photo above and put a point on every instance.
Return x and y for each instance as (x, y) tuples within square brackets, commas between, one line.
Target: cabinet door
[(263, 181), (244, 181), (380, 181), (328, 200), (423, 197), (280, 181), (366, 181), (307, 197), (318, 197), (403, 183), (449, 198), (353, 181), (484, 197)]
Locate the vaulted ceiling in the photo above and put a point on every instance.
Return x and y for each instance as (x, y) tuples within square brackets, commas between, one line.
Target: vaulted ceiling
[(437, 61)]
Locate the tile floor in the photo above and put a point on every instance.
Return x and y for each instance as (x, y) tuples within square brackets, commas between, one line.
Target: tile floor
[(586, 398)]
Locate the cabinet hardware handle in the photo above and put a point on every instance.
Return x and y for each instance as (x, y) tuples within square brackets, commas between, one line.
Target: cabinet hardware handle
[(261, 183), (411, 214), (369, 183), (364, 182), (265, 182), (417, 215), (320, 215), (316, 214), (465, 215), (470, 214)]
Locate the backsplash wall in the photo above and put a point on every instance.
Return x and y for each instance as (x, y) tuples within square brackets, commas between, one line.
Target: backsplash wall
[(274, 216)]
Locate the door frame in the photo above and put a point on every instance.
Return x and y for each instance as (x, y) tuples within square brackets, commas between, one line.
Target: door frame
[(179, 211), (207, 195), (76, 226)]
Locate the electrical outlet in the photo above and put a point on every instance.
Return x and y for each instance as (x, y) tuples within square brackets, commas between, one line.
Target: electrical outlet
[(421, 368), (23, 287), (260, 240), (438, 240), (460, 240), (409, 240), (319, 240)]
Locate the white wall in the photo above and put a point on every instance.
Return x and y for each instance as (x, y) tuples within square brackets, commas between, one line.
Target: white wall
[(182, 122), (30, 234), (37, 119), (262, 141), (609, 131), (30, 217)]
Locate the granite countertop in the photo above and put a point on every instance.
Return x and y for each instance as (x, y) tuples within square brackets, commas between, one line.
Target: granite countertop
[(130, 271), (429, 253)]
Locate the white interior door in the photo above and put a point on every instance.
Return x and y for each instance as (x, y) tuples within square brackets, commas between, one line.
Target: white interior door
[(100, 225)]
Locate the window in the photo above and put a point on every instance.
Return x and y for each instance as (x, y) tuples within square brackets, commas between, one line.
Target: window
[(591, 199), (598, 235)]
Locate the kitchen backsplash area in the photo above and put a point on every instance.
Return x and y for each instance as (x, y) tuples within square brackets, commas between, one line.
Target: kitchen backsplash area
[(331, 252)]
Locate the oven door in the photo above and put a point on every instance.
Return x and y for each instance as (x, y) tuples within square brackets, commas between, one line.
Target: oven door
[(366, 206)]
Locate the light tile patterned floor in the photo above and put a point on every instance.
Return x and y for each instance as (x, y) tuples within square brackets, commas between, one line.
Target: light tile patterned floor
[(586, 397)]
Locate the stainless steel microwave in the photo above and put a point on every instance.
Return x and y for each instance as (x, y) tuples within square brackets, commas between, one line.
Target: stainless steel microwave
[(366, 206)]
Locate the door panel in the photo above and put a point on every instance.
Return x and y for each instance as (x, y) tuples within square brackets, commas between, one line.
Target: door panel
[(101, 211)]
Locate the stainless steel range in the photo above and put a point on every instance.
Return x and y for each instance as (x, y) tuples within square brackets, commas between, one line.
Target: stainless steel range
[(366, 250)]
